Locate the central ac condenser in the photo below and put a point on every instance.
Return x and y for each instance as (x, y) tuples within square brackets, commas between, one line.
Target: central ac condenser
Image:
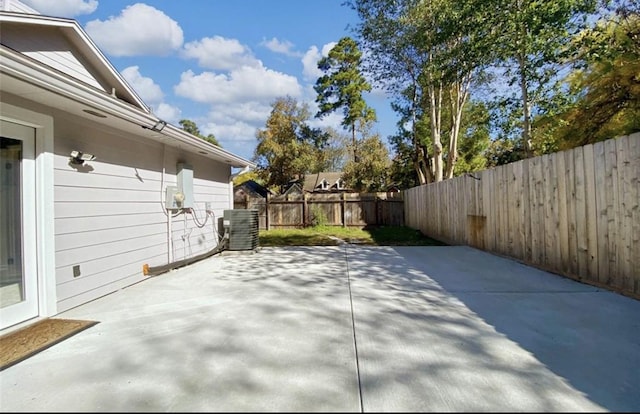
[(242, 227)]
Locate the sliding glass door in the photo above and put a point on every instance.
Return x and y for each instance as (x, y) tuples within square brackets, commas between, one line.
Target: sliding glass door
[(18, 270)]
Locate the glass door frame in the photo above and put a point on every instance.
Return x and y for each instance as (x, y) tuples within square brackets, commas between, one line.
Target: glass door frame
[(44, 245)]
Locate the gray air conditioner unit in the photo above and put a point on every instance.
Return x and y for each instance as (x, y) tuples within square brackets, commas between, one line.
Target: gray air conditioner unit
[(242, 226)]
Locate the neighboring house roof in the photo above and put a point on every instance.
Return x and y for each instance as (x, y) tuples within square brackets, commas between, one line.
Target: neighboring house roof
[(52, 61), (294, 187), (323, 181), (251, 187), (393, 188)]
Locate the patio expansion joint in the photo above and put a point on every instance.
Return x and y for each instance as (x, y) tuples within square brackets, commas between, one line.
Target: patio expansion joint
[(353, 328)]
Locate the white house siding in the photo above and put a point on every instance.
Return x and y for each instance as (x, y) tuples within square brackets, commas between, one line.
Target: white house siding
[(49, 46), (110, 221)]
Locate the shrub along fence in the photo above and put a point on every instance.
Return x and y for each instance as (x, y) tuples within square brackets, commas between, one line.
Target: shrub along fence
[(574, 212), (334, 209)]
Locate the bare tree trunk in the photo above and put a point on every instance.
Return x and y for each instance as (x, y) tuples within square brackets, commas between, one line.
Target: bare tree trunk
[(422, 177), (526, 108), (435, 98), (427, 164), (353, 142), (420, 153), (459, 93), (526, 111)]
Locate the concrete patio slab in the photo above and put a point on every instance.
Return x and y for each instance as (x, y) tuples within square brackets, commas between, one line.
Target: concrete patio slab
[(436, 329)]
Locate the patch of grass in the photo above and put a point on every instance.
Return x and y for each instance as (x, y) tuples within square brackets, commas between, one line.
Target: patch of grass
[(334, 235), (401, 236), (294, 237)]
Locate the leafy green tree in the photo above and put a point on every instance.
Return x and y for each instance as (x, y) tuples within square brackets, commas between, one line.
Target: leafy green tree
[(605, 88), (342, 86), (371, 172), (250, 175), (426, 54), (475, 139), (331, 155), (192, 128), (503, 151), (531, 45), (287, 147), (323, 148), (402, 172)]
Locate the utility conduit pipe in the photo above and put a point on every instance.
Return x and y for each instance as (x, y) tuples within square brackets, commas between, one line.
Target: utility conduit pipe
[(157, 270)]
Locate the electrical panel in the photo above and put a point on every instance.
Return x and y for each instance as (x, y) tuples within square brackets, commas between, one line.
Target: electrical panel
[(185, 183)]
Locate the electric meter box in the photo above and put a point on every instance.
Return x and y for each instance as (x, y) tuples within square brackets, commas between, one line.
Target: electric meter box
[(171, 203), (185, 183)]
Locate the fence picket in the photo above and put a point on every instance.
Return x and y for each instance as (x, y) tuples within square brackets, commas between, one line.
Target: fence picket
[(624, 188), (571, 211), (611, 188), (633, 209), (563, 219), (590, 214)]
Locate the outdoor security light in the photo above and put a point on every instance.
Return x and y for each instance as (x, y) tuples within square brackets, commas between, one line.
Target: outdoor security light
[(78, 157)]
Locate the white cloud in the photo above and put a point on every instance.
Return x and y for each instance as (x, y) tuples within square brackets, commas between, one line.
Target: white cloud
[(151, 94), (219, 53), (235, 136), (149, 91), (167, 112), (283, 47), (139, 30), (310, 70), (240, 102), (332, 120), (235, 125), (241, 85), (238, 132), (63, 8), (255, 113), (327, 48)]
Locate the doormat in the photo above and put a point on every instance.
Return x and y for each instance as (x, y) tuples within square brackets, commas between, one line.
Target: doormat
[(28, 341)]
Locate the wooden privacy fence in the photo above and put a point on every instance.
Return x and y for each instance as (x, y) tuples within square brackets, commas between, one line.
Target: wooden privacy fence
[(334, 209), (574, 213)]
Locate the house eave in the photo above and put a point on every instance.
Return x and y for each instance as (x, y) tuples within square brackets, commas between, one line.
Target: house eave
[(77, 36), (31, 80)]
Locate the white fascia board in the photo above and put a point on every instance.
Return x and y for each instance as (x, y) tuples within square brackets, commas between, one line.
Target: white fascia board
[(25, 69), (183, 136)]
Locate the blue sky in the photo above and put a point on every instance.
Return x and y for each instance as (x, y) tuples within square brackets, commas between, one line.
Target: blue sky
[(219, 63)]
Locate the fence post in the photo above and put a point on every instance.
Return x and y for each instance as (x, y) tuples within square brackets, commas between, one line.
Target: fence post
[(266, 210), (343, 207), (305, 210)]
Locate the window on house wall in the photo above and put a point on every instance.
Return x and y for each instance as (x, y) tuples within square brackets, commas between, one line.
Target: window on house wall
[(340, 184), (324, 185)]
